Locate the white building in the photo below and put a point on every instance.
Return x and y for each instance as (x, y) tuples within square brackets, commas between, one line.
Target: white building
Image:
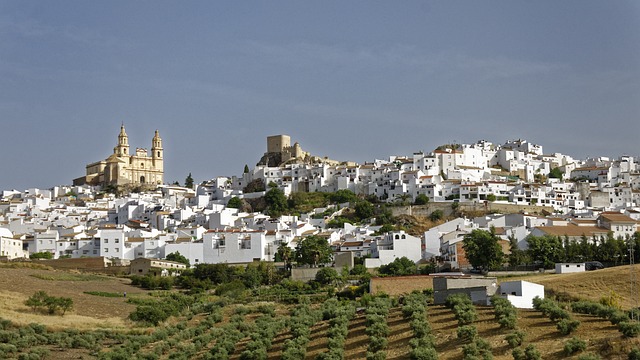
[(567, 268), (521, 293), (394, 245), (10, 247)]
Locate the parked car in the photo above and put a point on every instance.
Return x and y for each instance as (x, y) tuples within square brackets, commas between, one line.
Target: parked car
[(593, 265)]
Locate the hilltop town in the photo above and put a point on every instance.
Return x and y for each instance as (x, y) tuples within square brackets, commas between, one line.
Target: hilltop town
[(515, 189)]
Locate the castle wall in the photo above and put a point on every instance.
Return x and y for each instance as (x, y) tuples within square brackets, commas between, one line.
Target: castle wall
[(277, 143)]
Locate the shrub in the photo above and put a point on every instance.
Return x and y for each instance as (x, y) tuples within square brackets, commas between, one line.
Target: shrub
[(618, 316), (378, 355), (423, 353), (467, 332), (149, 314), (566, 326), (508, 321), (629, 329), (518, 354), (516, 338), (531, 353), (634, 354), (574, 345)]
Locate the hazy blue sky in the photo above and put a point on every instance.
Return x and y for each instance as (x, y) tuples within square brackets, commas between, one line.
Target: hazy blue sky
[(352, 80)]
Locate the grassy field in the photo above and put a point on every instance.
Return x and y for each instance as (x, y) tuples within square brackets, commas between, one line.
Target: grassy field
[(93, 312)]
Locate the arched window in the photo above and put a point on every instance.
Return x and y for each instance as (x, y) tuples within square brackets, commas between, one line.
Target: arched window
[(158, 153), (141, 179)]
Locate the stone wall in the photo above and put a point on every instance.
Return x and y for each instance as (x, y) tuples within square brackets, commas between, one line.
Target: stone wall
[(468, 207), (397, 285)]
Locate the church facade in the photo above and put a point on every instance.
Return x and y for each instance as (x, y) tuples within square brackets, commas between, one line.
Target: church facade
[(126, 168)]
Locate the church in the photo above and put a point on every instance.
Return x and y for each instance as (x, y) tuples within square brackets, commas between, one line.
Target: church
[(123, 168)]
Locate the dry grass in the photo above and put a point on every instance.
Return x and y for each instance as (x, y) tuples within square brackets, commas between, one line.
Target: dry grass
[(591, 285), (17, 284), (95, 312)]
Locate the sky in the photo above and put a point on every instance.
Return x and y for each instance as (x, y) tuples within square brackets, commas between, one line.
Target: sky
[(351, 80)]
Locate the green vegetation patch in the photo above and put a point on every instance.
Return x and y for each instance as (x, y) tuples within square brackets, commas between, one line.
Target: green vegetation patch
[(69, 277), (104, 294)]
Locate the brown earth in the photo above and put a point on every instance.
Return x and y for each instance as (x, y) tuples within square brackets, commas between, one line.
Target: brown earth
[(592, 285), (89, 311), (92, 312)]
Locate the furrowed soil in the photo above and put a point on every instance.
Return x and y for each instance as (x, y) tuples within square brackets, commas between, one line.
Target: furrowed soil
[(98, 312)]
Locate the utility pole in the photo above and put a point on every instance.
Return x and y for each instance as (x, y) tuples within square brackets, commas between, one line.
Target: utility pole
[(635, 315)]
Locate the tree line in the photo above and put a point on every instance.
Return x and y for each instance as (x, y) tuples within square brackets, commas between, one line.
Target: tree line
[(483, 250)]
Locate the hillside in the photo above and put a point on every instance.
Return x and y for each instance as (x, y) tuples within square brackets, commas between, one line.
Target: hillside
[(195, 335), (591, 285)]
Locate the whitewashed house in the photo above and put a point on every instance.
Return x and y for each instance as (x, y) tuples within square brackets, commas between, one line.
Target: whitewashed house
[(9, 247), (394, 245), (567, 268), (521, 293)]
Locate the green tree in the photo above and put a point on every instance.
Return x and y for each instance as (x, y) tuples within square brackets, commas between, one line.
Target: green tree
[(342, 196), (436, 215), (276, 202), (556, 173), (421, 199), (483, 249), (491, 197), (313, 250), (246, 169), (364, 210), (235, 202), (37, 300), (399, 266), (327, 275), (177, 257), (188, 182), (546, 250), (517, 255), (284, 253)]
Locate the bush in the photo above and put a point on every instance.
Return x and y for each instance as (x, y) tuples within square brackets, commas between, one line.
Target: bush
[(634, 354), (566, 326), (516, 338), (378, 355), (618, 316), (423, 353), (629, 329), (467, 332), (518, 354), (149, 314), (574, 345), (531, 353)]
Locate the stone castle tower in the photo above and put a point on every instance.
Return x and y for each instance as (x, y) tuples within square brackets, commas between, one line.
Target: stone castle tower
[(124, 168)]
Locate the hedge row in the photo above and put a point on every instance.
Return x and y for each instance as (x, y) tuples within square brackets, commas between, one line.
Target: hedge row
[(564, 322), (339, 316), (377, 328), (622, 319), (423, 342)]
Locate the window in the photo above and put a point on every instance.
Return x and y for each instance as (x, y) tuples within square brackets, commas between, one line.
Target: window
[(106, 241), (95, 252), (85, 252), (106, 250), (117, 241)]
